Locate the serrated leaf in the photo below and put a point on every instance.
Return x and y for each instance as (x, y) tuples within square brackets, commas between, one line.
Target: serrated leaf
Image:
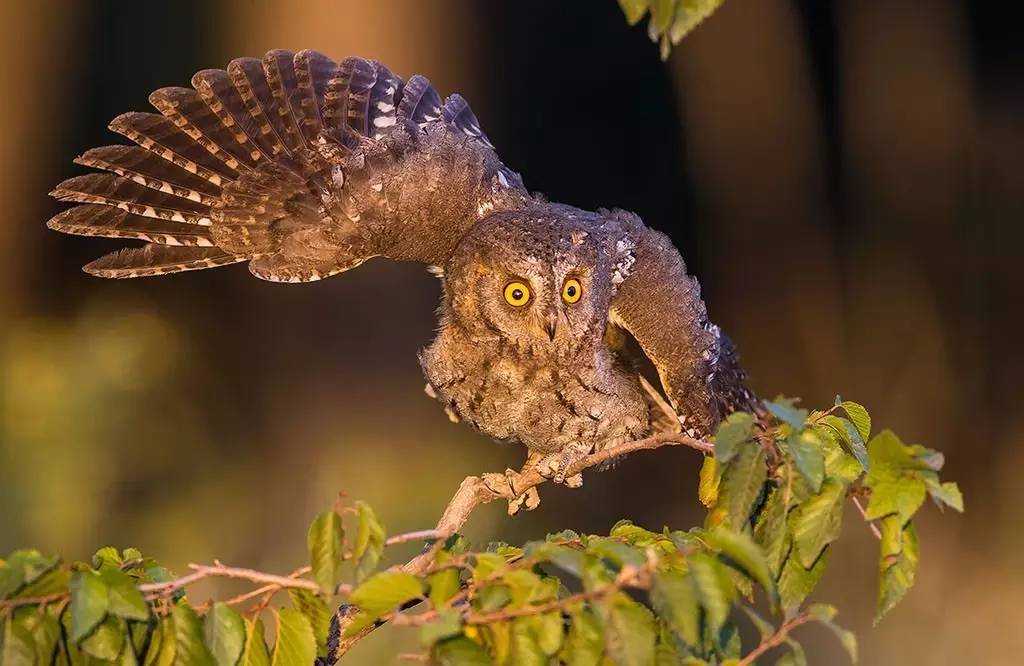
[(255, 652), (369, 545), (764, 628), (124, 598), (742, 481), (849, 435), (707, 492), (23, 568), (629, 632), (806, 448), (735, 431), (89, 600), (714, 588), (189, 647), (459, 651), (634, 10), (616, 551), (385, 591), (770, 531), (18, 646), (675, 599), (796, 581), (443, 585), (741, 549), (585, 643), (785, 410), (323, 542), (107, 640), (316, 611), (160, 651), (859, 417), (947, 493), (224, 632), (295, 644), (897, 564), (900, 495), (818, 521), (447, 625), (689, 14)]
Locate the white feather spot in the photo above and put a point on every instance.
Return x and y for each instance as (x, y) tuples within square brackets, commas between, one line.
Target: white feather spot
[(384, 121), (384, 107)]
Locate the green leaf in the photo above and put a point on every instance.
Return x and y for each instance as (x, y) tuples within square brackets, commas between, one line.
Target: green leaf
[(23, 568), (795, 656), (385, 591), (806, 448), (316, 611), (189, 648), (735, 431), (689, 14), (742, 481), (524, 647), (549, 630), (107, 640), (295, 645), (444, 585), (675, 600), (895, 479), (714, 588), (89, 600), (18, 646), (709, 479), (125, 600), (255, 652), (764, 628), (634, 10), (947, 493), (666, 652), (616, 551), (629, 632), (849, 435), (324, 544), (459, 651), (897, 564), (796, 581), (818, 521), (785, 410), (661, 15), (369, 543), (741, 549), (824, 614), (43, 629), (859, 417), (160, 651), (447, 624), (585, 643), (224, 631), (770, 531)]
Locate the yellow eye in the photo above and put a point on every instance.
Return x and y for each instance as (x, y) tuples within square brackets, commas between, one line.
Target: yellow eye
[(517, 294), (572, 290)]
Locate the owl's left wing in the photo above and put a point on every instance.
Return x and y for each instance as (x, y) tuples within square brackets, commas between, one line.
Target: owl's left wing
[(660, 305)]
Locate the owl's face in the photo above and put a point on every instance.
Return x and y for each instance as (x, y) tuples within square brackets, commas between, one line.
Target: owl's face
[(536, 280)]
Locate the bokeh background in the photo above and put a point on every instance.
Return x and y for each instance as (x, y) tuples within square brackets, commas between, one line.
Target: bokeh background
[(846, 178)]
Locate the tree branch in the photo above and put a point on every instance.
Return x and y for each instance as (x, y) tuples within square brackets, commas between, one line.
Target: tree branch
[(475, 491), (775, 639)]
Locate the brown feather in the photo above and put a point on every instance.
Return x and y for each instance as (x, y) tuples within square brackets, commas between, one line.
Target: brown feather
[(107, 222), (159, 135), (153, 259), (151, 170), (111, 190)]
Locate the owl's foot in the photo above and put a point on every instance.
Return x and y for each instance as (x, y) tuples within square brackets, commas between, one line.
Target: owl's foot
[(555, 465), (503, 484)]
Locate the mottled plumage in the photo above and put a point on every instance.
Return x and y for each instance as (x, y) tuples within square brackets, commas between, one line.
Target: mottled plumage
[(304, 168)]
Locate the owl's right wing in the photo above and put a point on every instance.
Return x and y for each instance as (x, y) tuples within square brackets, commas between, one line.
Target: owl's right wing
[(301, 166)]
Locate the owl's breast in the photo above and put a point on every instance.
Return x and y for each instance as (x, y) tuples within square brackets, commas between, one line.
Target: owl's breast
[(545, 406)]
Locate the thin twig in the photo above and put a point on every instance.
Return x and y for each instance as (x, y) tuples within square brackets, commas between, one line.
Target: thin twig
[(864, 513), (775, 639)]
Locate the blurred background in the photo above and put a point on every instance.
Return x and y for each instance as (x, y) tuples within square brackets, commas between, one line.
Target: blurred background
[(846, 179)]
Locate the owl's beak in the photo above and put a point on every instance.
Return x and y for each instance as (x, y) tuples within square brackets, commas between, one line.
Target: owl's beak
[(551, 324)]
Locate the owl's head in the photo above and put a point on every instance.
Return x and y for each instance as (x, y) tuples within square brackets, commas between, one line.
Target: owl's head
[(538, 278)]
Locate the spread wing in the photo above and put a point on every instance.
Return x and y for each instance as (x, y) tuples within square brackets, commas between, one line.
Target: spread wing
[(299, 165), (660, 305)]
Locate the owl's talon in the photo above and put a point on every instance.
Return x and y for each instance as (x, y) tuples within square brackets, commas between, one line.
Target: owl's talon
[(529, 500), (555, 466), (574, 481)]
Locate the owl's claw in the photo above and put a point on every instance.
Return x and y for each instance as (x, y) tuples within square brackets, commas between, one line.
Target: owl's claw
[(505, 484), (555, 465)]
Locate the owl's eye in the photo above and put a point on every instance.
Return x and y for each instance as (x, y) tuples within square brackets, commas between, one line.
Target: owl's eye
[(517, 294), (572, 290)]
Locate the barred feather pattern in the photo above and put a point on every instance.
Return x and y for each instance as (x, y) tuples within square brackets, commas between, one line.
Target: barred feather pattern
[(302, 166)]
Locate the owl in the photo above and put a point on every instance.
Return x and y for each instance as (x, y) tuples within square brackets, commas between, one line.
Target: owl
[(304, 168)]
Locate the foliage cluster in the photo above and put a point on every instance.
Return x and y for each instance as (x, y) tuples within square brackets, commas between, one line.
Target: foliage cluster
[(671, 20), (775, 490)]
